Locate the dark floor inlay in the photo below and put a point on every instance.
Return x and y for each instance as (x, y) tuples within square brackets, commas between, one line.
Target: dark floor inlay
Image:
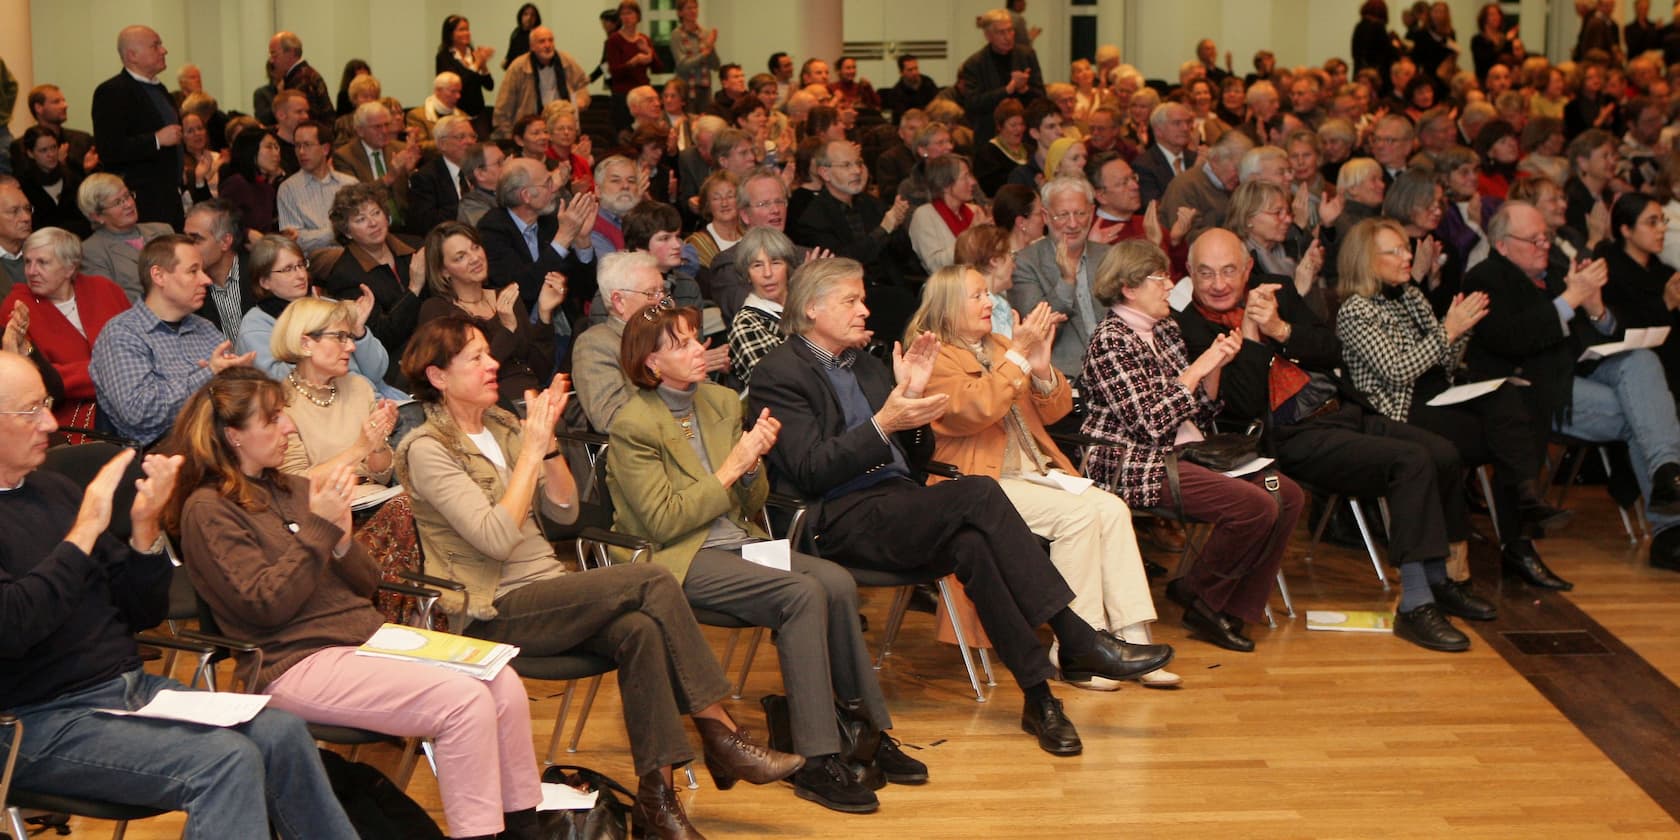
[(1557, 643)]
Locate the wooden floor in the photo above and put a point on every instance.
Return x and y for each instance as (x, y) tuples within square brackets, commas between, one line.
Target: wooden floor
[(1313, 735)]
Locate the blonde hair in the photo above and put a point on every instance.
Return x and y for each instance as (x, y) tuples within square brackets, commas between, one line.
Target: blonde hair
[(1356, 277), (306, 316), (942, 303)]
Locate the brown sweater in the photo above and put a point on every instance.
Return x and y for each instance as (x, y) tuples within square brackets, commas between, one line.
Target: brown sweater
[(280, 590)]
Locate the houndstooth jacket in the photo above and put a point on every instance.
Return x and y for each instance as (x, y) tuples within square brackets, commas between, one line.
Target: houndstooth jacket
[(1388, 343)]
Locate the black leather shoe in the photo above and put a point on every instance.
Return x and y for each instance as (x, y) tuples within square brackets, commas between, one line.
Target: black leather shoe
[(900, 769), (1665, 550), (1535, 516), (1521, 559), (1427, 627), (1665, 490), (1456, 598), (1205, 623), (828, 783), (1112, 658), (1054, 731)]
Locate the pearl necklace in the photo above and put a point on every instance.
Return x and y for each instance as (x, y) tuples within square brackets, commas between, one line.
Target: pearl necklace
[(305, 389)]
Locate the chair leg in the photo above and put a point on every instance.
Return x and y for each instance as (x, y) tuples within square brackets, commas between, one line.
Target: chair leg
[(15, 825), (120, 831), (1484, 476), (962, 639), (986, 665), (1627, 521), (410, 757), (729, 650), (1370, 544), (1283, 590), (895, 617), (1575, 465), (1270, 620), (583, 713), (746, 661), (688, 770), (1323, 522), (560, 721)]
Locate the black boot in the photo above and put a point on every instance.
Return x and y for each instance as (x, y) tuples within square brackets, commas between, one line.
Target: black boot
[(520, 825), (1535, 517), (1665, 489)]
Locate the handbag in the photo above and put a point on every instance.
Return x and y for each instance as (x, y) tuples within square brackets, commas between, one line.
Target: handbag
[(1221, 452), (608, 820)]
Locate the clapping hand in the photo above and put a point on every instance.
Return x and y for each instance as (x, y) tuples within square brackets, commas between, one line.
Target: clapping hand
[(16, 336), (1463, 313), (553, 294), (151, 493), (1260, 313), (364, 309), (1151, 227), (1035, 336), (717, 358), (376, 429), (417, 272), (913, 366), (505, 301), (223, 358), (1671, 292), (542, 413), (94, 516), (329, 498), (754, 444), (1423, 258)]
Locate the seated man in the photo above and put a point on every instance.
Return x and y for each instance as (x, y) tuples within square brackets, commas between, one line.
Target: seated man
[(1207, 187), (629, 281), (848, 222), (435, 189), (856, 445), (482, 166), (305, 198), (617, 190), (149, 359), (1122, 216), (1325, 434), (532, 235), (1541, 314), (762, 199), (72, 594), (374, 155), (1059, 268)]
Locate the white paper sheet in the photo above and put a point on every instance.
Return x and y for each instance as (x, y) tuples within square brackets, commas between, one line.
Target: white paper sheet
[(211, 708), (1181, 294), (1252, 466), (1633, 339), (1061, 481), (558, 797), (1467, 392), (772, 553), (374, 498)]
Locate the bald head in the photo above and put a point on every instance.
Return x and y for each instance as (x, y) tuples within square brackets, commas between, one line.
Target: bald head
[(141, 50), (23, 438), (542, 43), (1219, 270), (285, 49)]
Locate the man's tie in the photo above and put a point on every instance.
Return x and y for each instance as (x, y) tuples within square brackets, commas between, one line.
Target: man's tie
[(378, 164)]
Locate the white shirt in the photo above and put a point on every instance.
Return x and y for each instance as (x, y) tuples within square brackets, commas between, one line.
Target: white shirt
[(489, 448)]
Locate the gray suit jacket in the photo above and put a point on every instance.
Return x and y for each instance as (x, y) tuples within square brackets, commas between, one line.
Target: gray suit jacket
[(107, 255), (1038, 279)]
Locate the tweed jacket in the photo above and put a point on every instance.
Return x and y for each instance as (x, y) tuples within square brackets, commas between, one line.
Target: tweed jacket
[(662, 492), (1133, 398), (972, 433), (519, 95), (1387, 344), (352, 159), (1037, 277), (467, 537), (107, 254)]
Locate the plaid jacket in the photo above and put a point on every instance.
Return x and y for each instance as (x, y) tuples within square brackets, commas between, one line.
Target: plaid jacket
[(752, 334), (1387, 344), (1133, 398)]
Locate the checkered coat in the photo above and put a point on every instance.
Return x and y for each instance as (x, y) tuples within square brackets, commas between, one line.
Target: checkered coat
[(1387, 344)]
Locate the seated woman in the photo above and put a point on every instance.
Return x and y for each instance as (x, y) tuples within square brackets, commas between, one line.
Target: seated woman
[(656, 228), (1642, 290), (1401, 356), (935, 226), (1260, 215), (1415, 201), (280, 275), (683, 475), (475, 474), (49, 183), (1002, 393), (65, 310), (987, 249), (110, 252), (271, 555), (252, 181), (1143, 394), (456, 271), (375, 260), (764, 255), (1064, 160), (568, 153), (723, 222)]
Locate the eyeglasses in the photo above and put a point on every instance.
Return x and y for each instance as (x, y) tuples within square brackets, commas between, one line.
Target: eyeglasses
[(1279, 212), (1389, 141), (33, 412), (765, 205), (844, 164), (1070, 216), (290, 269), (664, 304), (1538, 240), (1396, 251), (339, 336), (124, 197), (1161, 278)]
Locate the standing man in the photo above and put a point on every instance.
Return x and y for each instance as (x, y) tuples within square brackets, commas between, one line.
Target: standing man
[(285, 49), (999, 70), (291, 109), (137, 130), (848, 222), (537, 78), (305, 198)]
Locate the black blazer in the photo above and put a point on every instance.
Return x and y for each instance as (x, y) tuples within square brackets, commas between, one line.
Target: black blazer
[(431, 197), (510, 261), (815, 452), (124, 121), (473, 85), (1154, 172)]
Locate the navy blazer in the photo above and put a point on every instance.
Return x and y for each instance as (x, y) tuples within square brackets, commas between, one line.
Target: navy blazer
[(432, 199), (510, 260), (1154, 172)]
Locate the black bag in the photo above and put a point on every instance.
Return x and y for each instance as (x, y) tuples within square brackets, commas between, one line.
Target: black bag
[(608, 820), (859, 739), (377, 808), (1221, 452)]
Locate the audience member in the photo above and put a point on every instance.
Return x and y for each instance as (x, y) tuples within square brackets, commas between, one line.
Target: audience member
[(51, 111), (1001, 69), (285, 49), (482, 166), (252, 181), (305, 199), (629, 282), (458, 273), (935, 226), (16, 221), (113, 250), (845, 221), (537, 78), (375, 261), (215, 229), (374, 156), (765, 256), (694, 50), (471, 66), (435, 189), (1169, 155), (913, 90), (1060, 268), (1207, 188), (49, 186), (138, 132), (281, 274)]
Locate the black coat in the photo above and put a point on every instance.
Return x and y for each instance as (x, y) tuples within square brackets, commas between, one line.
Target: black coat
[(980, 87), (124, 122), (1155, 172), (432, 199)]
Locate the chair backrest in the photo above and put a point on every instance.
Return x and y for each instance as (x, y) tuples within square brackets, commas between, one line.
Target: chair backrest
[(82, 461)]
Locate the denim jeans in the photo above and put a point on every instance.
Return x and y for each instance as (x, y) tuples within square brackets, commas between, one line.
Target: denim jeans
[(1626, 398), (233, 783)]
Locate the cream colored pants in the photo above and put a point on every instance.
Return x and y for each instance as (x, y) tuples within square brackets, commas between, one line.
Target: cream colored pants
[(1092, 545)]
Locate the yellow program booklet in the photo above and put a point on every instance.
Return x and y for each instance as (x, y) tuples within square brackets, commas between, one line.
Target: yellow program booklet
[(1350, 621), (477, 657)]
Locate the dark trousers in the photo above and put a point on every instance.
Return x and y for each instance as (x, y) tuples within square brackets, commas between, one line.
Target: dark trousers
[(1250, 532), (1358, 453), (1492, 429), (636, 616), (967, 523)]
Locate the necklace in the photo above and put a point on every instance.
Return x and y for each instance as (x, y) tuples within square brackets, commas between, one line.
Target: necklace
[(687, 423), (309, 390)]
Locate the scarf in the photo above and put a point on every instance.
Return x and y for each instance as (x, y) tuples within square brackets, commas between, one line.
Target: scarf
[(1284, 379), (957, 220)]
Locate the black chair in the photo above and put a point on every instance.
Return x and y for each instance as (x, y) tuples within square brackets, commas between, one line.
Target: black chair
[(1574, 457)]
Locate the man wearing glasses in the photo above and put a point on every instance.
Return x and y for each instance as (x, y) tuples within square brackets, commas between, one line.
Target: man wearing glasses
[(137, 130), (848, 222), (17, 221), (763, 202), (629, 283), (1059, 269), (149, 359), (1392, 143), (305, 198), (1539, 321)]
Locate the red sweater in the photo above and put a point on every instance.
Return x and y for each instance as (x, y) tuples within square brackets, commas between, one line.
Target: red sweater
[(97, 300), (619, 51)]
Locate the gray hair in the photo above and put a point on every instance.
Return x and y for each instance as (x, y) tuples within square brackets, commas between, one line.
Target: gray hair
[(1255, 158), (365, 112), (810, 284), (1499, 227), (447, 122), (1337, 128), (1066, 183), (1411, 191), (1230, 147), (224, 217), (97, 192), (1357, 171), (762, 173), (517, 174), (617, 269), (773, 243), (609, 162), (64, 246), (1163, 112), (445, 78), (1260, 87)]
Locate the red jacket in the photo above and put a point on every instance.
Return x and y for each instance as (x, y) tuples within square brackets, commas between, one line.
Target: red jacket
[(98, 300)]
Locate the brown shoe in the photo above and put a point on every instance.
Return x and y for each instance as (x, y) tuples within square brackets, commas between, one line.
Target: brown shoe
[(658, 813), (734, 755)]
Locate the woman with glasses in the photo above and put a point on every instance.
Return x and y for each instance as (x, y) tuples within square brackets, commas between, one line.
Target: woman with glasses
[(1260, 216), (456, 272), (1401, 355), (280, 275), (110, 251), (375, 260), (1415, 200), (1147, 398)]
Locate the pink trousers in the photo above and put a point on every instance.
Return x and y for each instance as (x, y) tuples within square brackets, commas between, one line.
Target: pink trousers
[(481, 731)]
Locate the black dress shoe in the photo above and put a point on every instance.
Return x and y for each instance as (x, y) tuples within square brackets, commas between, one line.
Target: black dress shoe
[(1665, 490), (900, 769), (1207, 624), (1456, 598), (1112, 658), (1537, 519), (827, 782), (1054, 731), (1665, 550), (1179, 593), (1521, 559), (1427, 627)]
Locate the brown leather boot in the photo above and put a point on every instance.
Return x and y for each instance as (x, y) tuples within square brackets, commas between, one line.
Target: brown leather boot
[(658, 813), (734, 755)]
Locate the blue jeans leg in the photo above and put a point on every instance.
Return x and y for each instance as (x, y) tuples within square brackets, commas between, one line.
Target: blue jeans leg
[(216, 775), (1626, 398)]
